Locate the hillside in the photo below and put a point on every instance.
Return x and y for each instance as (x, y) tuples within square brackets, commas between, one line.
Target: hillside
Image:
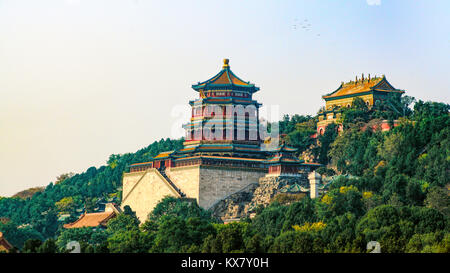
[(389, 187), (39, 214)]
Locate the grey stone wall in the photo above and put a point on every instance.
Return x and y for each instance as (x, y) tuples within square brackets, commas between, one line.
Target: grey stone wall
[(228, 192), (217, 183)]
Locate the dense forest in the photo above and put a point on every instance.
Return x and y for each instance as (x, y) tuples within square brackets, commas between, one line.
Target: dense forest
[(390, 187)]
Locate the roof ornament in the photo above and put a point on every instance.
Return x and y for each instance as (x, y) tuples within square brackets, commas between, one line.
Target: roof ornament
[(362, 77), (225, 80), (368, 79), (225, 63)]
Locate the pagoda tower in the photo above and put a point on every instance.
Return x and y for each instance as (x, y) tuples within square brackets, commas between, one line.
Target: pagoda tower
[(225, 118), (222, 153)]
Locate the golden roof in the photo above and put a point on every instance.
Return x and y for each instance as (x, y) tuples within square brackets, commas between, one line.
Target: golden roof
[(225, 78), (164, 154), (362, 85)]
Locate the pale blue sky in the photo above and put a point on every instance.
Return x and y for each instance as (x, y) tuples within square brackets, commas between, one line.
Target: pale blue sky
[(83, 79)]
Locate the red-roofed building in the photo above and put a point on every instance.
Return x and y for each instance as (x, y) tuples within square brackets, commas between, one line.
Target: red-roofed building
[(98, 219)]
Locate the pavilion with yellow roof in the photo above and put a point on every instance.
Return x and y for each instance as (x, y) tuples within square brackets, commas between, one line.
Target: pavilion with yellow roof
[(370, 90)]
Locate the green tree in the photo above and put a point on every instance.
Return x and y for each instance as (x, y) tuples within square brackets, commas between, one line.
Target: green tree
[(122, 222), (85, 236), (31, 246), (325, 140), (177, 207), (357, 113), (294, 242), (255, 244), (65, 205), (130, 241), (339, 234), (300, 138), (290, 124), (299, 213), (270, 221), (340, 201), (18, 236), (49, 246), (393, 227), (438, 242), (438, 198), (230, 238), (175, 233)]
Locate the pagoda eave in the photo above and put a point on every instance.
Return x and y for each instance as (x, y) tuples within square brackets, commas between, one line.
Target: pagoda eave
[(228, 87)]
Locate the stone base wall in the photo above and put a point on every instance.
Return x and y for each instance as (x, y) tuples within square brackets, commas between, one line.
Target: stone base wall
[(207, 184), (186, 179), (143, 190), (217, 183)]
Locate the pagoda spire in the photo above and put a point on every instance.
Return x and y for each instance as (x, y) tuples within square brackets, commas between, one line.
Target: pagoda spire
[(226, 63)]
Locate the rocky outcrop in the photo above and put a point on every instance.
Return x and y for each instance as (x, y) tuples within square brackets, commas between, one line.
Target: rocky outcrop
[(234, 206), (243, 203)]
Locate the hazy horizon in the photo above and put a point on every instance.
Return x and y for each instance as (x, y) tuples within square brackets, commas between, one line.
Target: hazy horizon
[(81, 80)]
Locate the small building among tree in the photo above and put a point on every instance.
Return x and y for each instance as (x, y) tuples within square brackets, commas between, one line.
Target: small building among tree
[(5, 246), (98, 219)]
